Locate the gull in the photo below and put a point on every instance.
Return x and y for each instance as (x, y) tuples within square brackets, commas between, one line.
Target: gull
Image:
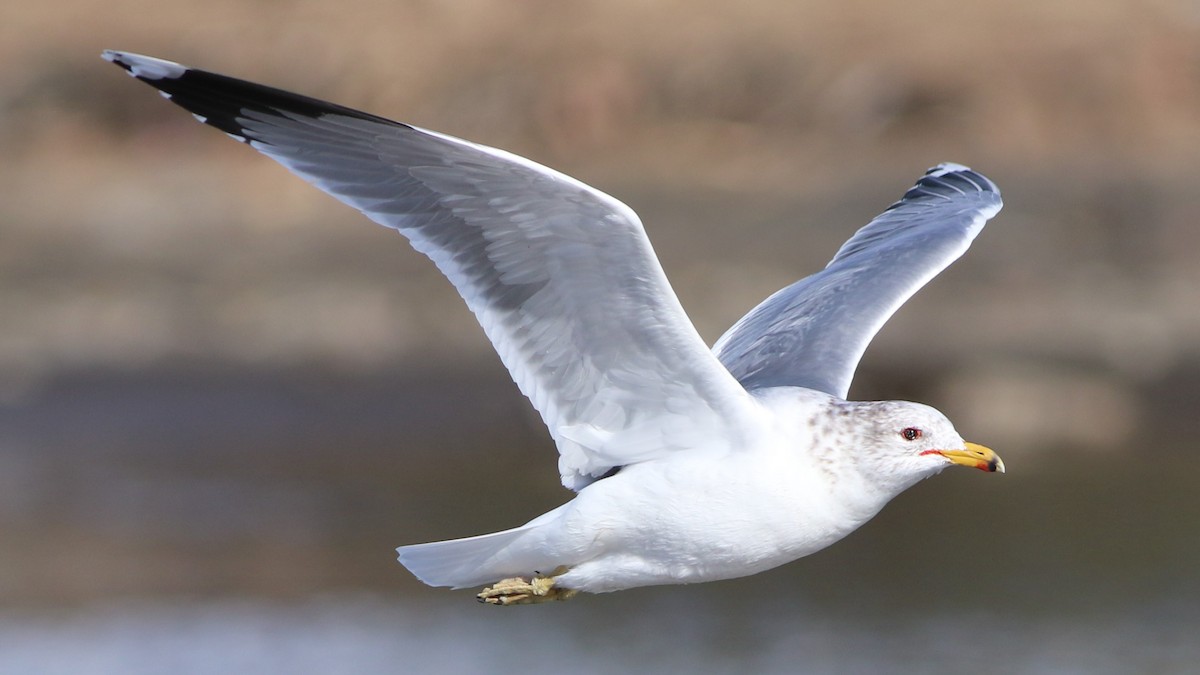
[(690, 464)]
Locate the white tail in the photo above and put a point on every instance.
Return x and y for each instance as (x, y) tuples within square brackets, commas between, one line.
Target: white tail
[(473, 561)]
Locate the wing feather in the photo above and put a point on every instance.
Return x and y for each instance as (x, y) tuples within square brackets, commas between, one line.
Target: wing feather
[(814, 332), (561, 276)]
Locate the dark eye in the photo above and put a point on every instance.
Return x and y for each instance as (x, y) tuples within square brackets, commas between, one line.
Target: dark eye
[(911, 433)]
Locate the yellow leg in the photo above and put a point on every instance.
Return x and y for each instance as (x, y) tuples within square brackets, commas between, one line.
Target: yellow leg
[(518, 591)]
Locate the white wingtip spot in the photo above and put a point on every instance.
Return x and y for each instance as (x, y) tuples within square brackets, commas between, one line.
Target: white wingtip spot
[(145, 67), (945, 168), (200, 118)]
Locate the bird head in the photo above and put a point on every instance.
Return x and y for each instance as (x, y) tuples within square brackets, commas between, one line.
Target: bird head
[(912, 441)]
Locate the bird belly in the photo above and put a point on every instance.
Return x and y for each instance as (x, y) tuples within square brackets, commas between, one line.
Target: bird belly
[(695, 521)]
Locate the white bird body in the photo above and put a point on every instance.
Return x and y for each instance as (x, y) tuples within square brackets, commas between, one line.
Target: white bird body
[(713, 512), (690, 464)]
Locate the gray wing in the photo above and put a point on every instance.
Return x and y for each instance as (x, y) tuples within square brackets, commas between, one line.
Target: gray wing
[(561, 276), (813, 333)]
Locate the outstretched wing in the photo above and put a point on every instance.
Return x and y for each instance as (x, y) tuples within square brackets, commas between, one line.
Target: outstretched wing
[(813, 333), (561, 276)]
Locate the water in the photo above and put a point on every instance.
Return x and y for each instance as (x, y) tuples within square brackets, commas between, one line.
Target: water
[(686, 631), (219, 522)]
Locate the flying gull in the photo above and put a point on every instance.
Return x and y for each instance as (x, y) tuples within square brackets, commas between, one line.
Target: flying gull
[(690, 464)]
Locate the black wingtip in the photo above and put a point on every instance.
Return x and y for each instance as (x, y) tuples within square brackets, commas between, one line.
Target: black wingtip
[(221, 101), (952, 171), (946, 180)]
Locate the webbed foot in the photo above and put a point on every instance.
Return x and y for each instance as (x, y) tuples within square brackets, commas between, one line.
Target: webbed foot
[(518, 591)]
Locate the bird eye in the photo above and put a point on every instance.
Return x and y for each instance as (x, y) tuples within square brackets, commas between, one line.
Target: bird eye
[(911, 433)]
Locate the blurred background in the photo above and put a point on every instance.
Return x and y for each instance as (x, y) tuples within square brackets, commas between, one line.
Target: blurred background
[(225, 397)]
